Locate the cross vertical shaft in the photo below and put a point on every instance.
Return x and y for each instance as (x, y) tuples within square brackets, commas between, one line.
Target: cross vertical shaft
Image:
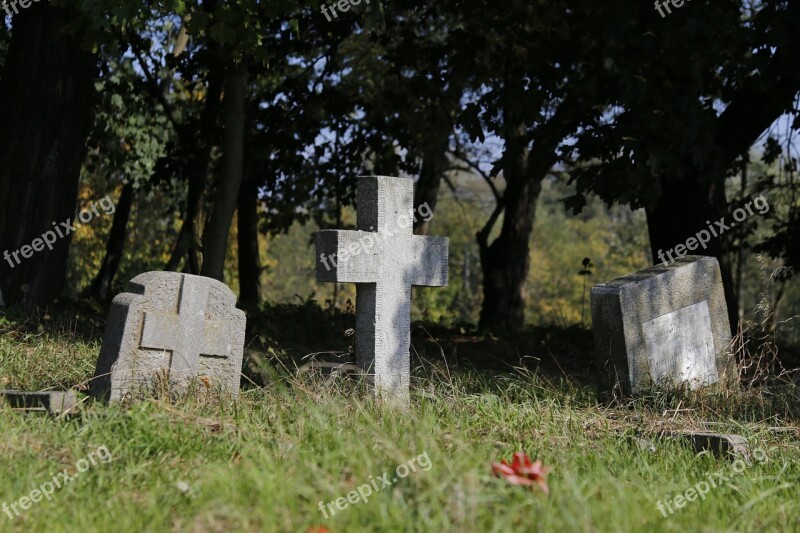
[(384, 259)]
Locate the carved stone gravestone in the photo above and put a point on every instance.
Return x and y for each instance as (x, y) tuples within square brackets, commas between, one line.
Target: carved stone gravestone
[(384, 259), (663, 326), (171, 328)]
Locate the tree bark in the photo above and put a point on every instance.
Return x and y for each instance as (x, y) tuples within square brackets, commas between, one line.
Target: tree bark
[(685, 206), (100, 289), (215, 236), (506, 261), (249, 258), (188, 237), (186, 244), (46, 99), (434, 147), (426, 191)]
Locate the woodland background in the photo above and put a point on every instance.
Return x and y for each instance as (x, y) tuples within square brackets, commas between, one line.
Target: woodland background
[(228, 132)]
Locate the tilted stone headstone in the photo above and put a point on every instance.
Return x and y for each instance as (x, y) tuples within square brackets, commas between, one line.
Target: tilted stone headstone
[(384, 259), (663, 326), (172, 325)]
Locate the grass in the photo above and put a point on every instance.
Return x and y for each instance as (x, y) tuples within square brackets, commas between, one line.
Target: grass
[(267, 461)]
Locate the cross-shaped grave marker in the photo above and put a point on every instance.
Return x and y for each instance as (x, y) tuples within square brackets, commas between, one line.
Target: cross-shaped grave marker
[(189, 335), (384, 259), (193, 319)]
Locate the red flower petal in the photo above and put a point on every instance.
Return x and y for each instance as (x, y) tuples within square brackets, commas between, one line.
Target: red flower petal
[(502, 469), (519, 480), (520, 460), (536, 469), (522, 471)]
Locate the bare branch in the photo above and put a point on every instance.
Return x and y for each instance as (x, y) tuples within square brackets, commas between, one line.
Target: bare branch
[(475, 168)]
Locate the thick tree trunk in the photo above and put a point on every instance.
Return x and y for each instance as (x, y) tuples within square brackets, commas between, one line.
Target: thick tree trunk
[(758, 102), (506, 261), (684, 209), (189, 235), (186, 243), (100, 289), (46, 94), (215, 236), (249, 259), (426, 192)]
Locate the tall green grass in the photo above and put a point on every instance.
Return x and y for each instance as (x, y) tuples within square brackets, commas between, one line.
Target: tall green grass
[(267, 461)]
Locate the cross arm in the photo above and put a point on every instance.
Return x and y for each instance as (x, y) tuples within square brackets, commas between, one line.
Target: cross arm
[(159, 330), (348, 256), (218, 338)]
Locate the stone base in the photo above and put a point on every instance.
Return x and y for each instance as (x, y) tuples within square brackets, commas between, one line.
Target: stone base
[(52, 402)]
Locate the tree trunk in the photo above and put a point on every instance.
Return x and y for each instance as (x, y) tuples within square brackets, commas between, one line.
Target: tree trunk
[(186, 244), (215, 236), (434, 165), (506, 261), (188, 237), (100, 289), (249, 259), (46, 97), (684, 209)]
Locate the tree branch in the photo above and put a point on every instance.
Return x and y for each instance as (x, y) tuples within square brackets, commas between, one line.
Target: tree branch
[(475, 168)]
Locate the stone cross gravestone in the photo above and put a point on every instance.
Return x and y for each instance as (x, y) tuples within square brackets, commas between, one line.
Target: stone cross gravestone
[(666, 325), (172, 325), (384, 259)]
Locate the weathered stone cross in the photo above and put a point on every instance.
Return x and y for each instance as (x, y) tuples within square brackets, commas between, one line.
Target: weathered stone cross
[(384, 259), (189, 335)]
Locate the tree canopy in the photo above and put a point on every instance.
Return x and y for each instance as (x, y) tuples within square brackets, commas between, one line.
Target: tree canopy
[(246, 118)]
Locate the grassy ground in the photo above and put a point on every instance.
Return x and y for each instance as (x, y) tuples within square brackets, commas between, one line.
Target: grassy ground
[(297, 441)]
